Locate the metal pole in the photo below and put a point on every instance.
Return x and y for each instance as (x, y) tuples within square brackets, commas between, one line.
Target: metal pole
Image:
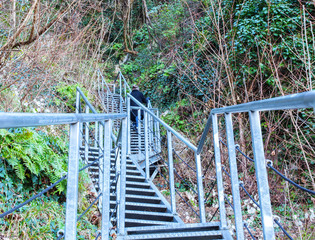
[(120, 84), (106, 180), (128, 126), (139, 132), (218, 168), (101, 163), (146, 147), (234, 177), (72, 183), (118, 181), (123, 178), (86, 142), (262, 177), (158, 132), (96, 141), (201, 196), (171, 171)]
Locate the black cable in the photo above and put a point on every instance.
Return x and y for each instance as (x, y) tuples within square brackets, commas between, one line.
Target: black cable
[(32, 198), (283, 230), (213, 185), (183, 161), (242, 186), (216, 211), (290, 181), (250, 233), (247, 157), (89, 207), (98, 235), (184, 181)]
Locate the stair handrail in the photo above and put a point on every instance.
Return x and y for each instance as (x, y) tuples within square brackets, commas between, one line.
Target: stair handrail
[(289, 102), (170, 131), (81, 94), (17, 120), (168, 127), (298, 100)]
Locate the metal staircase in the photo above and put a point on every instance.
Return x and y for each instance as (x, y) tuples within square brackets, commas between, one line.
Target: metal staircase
[(127, 165), (148, 215)]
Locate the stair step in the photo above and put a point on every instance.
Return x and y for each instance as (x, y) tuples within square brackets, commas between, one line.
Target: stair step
[(141, 222), (194, 227), (150, 207), (139, 199), (139, 191), (155, 216), (200, 235), (131, 178), (141, 185)]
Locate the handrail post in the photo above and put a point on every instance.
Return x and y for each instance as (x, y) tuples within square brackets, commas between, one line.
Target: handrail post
[(171, 171), (122, 207), (262, 176), (86, 142), (158, 133), (218, 169), (96, 141), (234, 177), (201, 197), (146, 146), (72, 183), (139, 132), (128, 126), (119, 83), (101, 164), (106, 180)]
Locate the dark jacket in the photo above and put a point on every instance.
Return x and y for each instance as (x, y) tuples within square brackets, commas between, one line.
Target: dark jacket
[(140, 97)]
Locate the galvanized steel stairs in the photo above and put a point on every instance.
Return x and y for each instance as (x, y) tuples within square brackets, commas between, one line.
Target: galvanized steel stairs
[(148, 214)]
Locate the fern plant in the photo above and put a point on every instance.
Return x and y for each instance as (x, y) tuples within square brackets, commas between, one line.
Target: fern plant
[(30, 152)]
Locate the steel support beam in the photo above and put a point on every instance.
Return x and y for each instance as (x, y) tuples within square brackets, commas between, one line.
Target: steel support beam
[(123, 167), (146, 147), (201, 196), (218, 167), (106, 181), (261, 176), (234, 177), (171, 171), (72, 183)]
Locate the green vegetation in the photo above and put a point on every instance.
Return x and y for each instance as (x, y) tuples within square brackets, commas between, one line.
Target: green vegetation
[(188, 56)]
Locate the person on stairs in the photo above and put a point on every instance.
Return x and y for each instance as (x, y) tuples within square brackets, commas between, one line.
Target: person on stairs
[(134, 112)]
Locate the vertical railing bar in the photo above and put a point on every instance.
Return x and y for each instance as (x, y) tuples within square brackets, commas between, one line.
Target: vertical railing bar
[(86, 149), (123, 178), (234, 177), (201, 197), (118, 183), (106, 180), (171, 171), (158, 132), (261, 176), (146, 145), (101, 163), (139, 131), (72, 183), (218, 167), (96, 140), (128, 126)]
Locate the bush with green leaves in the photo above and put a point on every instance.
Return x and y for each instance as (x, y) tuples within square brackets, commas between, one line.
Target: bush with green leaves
[(33, 157)]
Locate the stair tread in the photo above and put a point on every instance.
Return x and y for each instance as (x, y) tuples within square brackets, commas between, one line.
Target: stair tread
[(175, 227), (155, 205), (149, 213), (178, 235)]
